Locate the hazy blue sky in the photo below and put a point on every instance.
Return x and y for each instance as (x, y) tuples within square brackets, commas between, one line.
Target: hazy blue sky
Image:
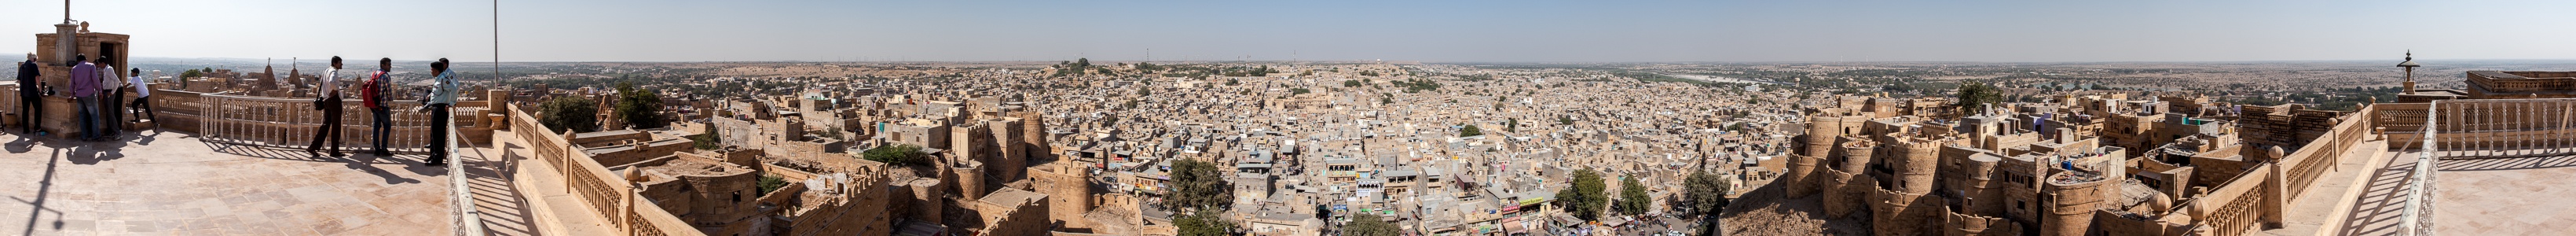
[(1442, 31)]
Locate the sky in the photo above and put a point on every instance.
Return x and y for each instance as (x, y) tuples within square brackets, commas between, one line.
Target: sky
[(1429, 31)]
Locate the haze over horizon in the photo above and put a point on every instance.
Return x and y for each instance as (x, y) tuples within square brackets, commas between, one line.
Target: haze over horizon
[(1437, 31)]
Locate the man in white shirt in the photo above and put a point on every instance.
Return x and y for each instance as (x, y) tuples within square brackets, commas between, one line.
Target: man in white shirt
[(330, 106), (111, 98), (142, 96)]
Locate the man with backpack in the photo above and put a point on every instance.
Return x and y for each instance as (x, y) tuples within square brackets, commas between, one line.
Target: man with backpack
[(373, 95)]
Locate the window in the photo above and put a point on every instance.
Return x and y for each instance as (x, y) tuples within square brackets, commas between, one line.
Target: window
[(737, 196)]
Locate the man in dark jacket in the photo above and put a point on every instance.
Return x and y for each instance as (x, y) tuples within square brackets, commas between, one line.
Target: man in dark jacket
[(30, 94)]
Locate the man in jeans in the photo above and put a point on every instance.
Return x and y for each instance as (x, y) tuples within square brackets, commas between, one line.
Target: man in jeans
[(441, 96), (30, 94), (330, 106), (85, 89), (373, 96)]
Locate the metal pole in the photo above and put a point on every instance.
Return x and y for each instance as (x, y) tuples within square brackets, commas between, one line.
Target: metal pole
[(496, 42)]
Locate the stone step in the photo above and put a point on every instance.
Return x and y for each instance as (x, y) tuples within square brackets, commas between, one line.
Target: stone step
[(141, 126)]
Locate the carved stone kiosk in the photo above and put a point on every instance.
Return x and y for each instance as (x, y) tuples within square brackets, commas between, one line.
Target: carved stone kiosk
[(54, 54)]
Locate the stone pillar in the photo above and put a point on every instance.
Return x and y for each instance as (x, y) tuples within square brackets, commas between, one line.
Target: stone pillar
[(66, 44)]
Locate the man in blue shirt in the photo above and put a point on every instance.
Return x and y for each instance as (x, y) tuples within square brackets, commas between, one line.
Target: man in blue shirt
[(441, 96)]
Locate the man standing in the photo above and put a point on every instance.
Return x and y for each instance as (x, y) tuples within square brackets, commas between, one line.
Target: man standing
[(30, 94), (85, 89), (142, 97), (330, 106), (373, 96), (111, 91), (441, 96)]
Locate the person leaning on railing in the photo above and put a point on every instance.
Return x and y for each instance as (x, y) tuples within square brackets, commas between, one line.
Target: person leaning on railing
[(84, 86), (441, 96)]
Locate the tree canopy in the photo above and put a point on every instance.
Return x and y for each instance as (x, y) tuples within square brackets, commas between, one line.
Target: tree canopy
[(1203, 223), (1197, 185), (1974, 95), (1370, 225), (1705, 198), (1470, 131), (1583, 198), (641, 108), (1632, 197), (898, 154), (569, 113)]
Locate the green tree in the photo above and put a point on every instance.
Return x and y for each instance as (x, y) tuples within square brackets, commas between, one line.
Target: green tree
[(1350, 83), (1203, 223), (707, 141), (1705, 198), (1231, 82), (1583, 198), (1369, 224), (1632, 197), (771, 183), (1470, 131), (569, 113), (1974, 95), (1511, 125), (641, 108), (898, 154), (1197, 185), (191, 73), (1144, 91)]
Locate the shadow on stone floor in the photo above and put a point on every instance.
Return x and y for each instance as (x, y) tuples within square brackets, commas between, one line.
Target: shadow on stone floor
[(2514, 163)]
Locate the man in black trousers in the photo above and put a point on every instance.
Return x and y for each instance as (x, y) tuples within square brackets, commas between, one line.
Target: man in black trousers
[(441, 96), (330, 105), (30, 94)]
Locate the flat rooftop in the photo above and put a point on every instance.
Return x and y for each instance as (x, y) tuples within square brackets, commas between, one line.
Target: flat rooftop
[(170, 183)]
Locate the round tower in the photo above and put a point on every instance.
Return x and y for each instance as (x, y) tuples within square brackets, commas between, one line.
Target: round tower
[(1819, 142), (1917, 161), (2073, 196), (1976, 185), (1844, 191), (1856, 155)]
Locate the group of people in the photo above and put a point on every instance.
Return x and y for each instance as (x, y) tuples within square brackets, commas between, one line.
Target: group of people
[(96, 87), (372, 95)]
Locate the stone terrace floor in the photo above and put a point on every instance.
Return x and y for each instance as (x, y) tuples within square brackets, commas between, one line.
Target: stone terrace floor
[(170, 183), (2499, 196)]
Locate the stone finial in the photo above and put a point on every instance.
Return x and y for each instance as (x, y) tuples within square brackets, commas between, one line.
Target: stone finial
[(635, 175)]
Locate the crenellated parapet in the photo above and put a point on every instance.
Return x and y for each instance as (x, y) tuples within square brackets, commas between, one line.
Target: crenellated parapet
[(2073, 197), (1897, 213), (1915, 164), (1957, 224)]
